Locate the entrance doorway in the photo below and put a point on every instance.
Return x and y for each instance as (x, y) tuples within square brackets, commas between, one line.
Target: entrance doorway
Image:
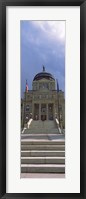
[(43, 117), (43, 112)]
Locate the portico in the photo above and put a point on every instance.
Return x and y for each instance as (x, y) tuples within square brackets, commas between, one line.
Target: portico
[(43, 111)]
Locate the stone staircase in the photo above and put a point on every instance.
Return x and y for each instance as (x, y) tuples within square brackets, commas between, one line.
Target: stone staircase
[(48, 124), (37, 127), (42, 153)]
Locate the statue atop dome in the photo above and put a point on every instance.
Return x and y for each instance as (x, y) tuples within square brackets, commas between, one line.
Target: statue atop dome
[(43, 68)]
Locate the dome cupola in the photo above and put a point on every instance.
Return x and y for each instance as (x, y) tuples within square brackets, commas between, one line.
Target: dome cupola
[(43, 75)]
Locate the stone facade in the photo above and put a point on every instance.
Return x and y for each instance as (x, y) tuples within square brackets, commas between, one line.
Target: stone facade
[(43, 102)]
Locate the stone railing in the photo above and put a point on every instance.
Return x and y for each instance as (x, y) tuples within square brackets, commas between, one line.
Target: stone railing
[(28, 123), (57, 122), (23, 130), (60, 130)]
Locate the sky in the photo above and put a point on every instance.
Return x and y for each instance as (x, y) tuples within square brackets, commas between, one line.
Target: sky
[(42, 43)]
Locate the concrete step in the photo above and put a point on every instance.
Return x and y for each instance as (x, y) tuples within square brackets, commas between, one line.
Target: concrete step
[(49, 125), (43, 147), (41, 137), (42, 160), (41, 131), (42, 168), (42, 142), (41, 127), (42, 124), (42, 151), (37, 153)]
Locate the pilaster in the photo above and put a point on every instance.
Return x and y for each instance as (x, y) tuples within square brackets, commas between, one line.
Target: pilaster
[(39, 111), (47, 110)]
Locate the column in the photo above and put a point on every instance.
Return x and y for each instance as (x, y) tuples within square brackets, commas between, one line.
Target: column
[(53, 111), (39, 111), (47, 110), (33, 111), (23, 115)]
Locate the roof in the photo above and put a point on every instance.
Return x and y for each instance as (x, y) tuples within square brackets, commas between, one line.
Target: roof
[(43, 74)]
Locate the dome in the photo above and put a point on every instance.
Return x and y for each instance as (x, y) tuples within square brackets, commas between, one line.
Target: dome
[(42, 75)]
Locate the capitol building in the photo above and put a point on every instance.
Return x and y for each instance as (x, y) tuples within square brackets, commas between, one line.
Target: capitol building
[(43, 128), (45, 101)]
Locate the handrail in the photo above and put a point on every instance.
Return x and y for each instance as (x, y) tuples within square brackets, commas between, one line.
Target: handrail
[(57, 122), (28, 123), (23, 130), (60, 130)]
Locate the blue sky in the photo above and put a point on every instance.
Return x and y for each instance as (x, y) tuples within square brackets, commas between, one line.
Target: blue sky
[(42, 43)]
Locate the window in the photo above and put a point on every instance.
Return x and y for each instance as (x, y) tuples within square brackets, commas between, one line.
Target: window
[(43, 110), (27, 107)]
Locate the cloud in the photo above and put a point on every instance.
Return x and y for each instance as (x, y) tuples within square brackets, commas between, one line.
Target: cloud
[(42, 43), (52, 29)]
